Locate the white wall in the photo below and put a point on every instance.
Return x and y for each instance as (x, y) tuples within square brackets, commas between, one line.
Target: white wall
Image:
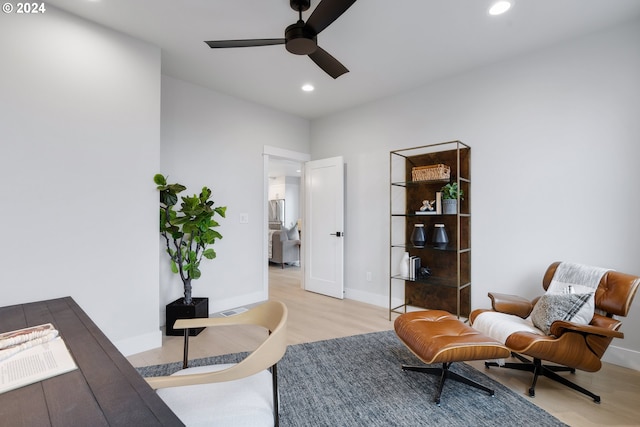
[(80, 132), (554, 137), (216, 140)]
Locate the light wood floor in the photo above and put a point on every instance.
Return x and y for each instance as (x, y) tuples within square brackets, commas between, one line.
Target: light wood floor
[(314, 317)]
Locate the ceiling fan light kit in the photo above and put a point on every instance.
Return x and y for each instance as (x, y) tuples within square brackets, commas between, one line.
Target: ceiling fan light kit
[(299, 40), (302, 38)]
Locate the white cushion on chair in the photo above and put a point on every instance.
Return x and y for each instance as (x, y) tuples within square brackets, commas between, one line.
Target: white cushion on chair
[(500, 325), (244, 402), (293, 233)]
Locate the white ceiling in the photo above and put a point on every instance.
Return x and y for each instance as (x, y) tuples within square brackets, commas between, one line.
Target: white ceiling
[(389, 46)]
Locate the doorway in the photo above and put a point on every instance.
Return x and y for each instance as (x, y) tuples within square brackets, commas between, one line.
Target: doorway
[(315, 216), (284, 192), (284, 212)]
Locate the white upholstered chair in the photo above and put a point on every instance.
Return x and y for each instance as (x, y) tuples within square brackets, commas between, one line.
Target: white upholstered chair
[(285, 247), (242, 394)]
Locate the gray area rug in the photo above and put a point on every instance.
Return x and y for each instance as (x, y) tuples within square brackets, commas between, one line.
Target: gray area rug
[(357, 381)]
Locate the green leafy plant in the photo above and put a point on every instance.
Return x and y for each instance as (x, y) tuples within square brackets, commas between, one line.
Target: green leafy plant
[(189, 231), (450, 191)]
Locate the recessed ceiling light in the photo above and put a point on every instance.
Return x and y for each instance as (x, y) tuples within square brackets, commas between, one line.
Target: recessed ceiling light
[(308, 87), (499, 8)]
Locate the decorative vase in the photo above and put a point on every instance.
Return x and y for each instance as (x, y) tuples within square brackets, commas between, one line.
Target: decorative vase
[(179, 310), (449, 206), (404, 265), (418, 236), (440, 238)]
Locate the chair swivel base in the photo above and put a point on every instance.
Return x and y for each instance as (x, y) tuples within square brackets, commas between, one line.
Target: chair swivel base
[(445, 373), (549, 371)]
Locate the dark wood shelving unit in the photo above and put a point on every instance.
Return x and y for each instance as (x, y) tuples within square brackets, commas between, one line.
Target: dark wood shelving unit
[(449, 285)]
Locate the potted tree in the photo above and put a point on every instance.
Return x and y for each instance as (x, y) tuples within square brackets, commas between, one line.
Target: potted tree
[(189, 232), (450, 194)]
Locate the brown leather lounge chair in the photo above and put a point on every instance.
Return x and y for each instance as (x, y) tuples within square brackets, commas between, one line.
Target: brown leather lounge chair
[(569, 344)]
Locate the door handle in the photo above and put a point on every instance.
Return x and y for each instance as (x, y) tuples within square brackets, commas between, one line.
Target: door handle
[(337, 234)]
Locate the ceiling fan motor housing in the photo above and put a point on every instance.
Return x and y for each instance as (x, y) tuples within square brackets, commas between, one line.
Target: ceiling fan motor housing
[(300, 39), (300, 5)]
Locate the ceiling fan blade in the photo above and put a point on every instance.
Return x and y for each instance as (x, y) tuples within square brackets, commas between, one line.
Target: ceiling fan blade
[(327, 12), (328, 63), (244, 43)]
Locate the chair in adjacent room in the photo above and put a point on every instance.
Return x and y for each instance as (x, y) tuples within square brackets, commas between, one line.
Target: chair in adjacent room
[(239, 394), (571, 325), (285, 246)]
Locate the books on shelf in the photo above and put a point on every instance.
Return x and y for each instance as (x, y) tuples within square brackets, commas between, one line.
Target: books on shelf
[(32, 354), (414, 267)]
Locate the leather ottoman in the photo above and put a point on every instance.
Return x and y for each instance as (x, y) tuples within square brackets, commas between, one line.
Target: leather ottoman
[(436, 336)]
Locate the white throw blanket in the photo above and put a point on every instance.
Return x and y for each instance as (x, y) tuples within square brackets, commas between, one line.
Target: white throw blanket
[(583, 279), (500, 325)]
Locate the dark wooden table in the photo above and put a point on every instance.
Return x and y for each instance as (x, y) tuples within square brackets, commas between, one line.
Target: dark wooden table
[(105, 391)]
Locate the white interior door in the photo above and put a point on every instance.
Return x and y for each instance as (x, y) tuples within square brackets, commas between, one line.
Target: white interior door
[(323, 227)]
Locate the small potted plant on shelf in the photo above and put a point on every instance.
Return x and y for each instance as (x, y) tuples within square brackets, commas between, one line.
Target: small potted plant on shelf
[(189, 233), (450, 193)]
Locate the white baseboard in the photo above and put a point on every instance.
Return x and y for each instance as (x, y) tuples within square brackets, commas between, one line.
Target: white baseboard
[(367, 297), (371, 298), (622, 357), (139, 343), (615, 355), (241, 301), (153, 340)]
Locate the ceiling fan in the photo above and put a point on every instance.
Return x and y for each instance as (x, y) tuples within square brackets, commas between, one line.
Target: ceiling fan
[(301, 38)]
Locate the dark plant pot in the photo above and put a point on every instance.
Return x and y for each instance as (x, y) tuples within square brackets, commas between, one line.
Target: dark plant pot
[(179, 310)]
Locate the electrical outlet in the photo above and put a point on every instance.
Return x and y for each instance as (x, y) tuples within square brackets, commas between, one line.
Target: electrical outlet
[(244, 218), (368, 276)]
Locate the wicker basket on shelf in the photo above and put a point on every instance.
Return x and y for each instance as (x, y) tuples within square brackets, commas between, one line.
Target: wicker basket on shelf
[(431, 173)]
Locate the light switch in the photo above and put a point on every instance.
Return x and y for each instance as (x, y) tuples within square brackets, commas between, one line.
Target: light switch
[(244, 218)]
